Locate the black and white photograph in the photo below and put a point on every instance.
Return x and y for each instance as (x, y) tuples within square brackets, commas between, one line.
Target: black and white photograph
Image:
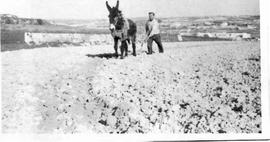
[(133, 67)]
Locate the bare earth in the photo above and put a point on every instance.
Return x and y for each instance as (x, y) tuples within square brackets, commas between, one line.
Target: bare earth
[(203, 87)]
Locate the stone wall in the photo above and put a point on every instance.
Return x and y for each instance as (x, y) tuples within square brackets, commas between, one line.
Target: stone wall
[(92, 39), (43, 38), (32, 39)]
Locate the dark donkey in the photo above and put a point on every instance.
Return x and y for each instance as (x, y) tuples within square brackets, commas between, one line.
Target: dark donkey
[(115, 25)]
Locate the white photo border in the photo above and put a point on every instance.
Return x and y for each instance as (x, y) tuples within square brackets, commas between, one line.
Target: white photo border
[(265, 97)]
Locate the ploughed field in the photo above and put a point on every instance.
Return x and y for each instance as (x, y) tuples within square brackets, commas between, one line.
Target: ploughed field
[(194, 87)]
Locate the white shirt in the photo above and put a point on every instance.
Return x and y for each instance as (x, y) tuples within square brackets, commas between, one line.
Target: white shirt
[(153, 27)]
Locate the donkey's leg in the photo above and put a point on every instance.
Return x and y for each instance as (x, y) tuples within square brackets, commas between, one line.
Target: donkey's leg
[(134, 48), (122, 48), (133, 40), (116, 46), (126, 47)]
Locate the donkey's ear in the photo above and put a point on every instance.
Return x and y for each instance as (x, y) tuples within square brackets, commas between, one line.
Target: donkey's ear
[(108, 6), (117, 4)]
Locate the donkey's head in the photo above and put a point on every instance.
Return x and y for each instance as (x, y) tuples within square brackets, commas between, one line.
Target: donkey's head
[(114, 12)]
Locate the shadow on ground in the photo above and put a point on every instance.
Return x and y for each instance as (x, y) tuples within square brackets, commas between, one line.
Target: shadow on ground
[(112, 55), (103, 55)]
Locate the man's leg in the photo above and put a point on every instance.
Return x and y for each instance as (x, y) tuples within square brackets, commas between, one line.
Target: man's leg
[(149, 45), (157, 39)]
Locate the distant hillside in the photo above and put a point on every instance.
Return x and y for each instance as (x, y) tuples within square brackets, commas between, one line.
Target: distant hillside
[(13, 19), (12, 24)]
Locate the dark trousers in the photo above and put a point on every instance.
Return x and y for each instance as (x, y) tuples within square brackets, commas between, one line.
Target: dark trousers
[(157, 39)]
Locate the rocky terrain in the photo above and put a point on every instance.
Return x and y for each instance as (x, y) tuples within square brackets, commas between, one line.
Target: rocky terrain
[(194, 87)]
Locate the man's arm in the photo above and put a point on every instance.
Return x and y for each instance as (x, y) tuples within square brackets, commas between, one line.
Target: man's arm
[(148, 30)]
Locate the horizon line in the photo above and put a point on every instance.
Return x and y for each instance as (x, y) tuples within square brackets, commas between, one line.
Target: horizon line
[(138, 17)]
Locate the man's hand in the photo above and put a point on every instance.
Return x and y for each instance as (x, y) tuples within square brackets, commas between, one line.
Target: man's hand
[(145, 39)]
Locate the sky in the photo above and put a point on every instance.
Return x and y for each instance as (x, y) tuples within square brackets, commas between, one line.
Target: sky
[(96, 9)]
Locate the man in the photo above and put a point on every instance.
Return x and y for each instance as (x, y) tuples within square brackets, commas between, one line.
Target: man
[(153, 33)]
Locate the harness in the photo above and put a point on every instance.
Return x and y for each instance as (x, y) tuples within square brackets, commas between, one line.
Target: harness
[(121, 29)]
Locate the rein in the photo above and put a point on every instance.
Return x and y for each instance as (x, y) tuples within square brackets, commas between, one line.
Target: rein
[(118, 27), (119, 23)]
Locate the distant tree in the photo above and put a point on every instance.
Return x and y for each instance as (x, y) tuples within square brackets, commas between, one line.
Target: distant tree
[(8, 21), (40, 22)]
